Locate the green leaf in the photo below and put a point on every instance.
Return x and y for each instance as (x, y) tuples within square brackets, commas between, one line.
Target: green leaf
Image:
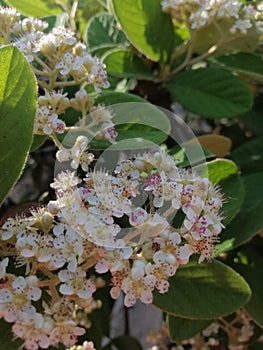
[(254, 277), (36, 8), (38, 141), (211, 92), (91, 7), (250, 64), (17, 113), (100, 318), (139, 124), (249, 156), (221, 169), (225, 173), (7, 339), (125, 64), (102, 33), (183, 328), (149, 29), (204, 291), (254, 121), (126, 342), (249, 220)]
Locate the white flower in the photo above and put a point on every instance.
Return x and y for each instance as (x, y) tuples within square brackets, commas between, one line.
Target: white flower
[(138, 217), (76, 283), (65, 181), (14, 299), (241, 25), (65, 332), (77, 154)]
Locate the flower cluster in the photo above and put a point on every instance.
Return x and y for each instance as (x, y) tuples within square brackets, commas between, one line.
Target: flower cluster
[(57, 54), (80, 230), (238, 329), (59, 60), (200, 13)]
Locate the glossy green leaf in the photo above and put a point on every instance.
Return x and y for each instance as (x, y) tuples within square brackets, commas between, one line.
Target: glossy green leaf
[(102, 32), (36, 8), (225, 173), (149, 29), (254, 277), (204, 291), (249, 220), (184, 328), (249, 156), (17, 113), (221, 169), (126, 342), (125, 64), (250, 64), (211, 92)]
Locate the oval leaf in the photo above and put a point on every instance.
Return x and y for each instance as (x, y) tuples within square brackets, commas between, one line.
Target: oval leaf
[(183, 328), (17, 113), (211, 92), (102, 33), (204, 291), (125, 64), (36, 8), (146, 26)]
